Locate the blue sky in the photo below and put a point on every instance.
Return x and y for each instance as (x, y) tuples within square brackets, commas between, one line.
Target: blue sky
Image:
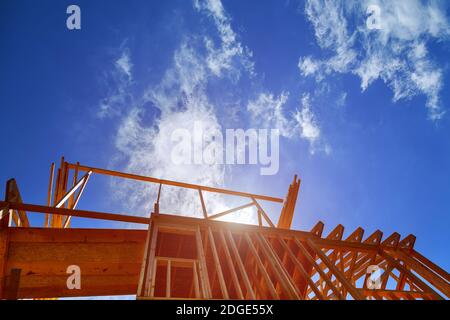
[(363, 114)]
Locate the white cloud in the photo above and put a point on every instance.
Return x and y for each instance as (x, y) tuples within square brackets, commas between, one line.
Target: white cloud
[(409, 20), (397, 53), (118, 96), (220, 58), (267, 111), (181, 98), (341, 100), (308, 66), (307, 122), (309, 128), (124, 64), (182, 101)]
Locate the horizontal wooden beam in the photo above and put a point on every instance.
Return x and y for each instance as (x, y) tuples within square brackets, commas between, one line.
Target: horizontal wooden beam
[(76, 213), (75, 235), (189, 222), (51, 286), (173, 183)]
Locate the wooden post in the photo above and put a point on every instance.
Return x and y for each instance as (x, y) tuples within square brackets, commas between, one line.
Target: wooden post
[(154, 267), (241, 267), (144, 265), (195, 276), (260, 265), (300, 267), (168, 278), (279, 271), (156, 206), (229, 260), (203, 269), (259, 218), (151, 262), (223, 286), (74, 182), (49, 192), (4, 247)]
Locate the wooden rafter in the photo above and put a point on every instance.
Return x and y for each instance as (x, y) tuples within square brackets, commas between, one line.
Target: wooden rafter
[(199, 258)]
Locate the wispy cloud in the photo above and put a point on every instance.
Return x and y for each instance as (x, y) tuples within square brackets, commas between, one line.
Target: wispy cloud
[(124, 63), (118, 95), (309, 128), (182, 100), (220, 57), (268, 111), (397, 53)]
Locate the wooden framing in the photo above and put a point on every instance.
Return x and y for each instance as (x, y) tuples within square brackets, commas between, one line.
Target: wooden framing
[(179, 257)]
